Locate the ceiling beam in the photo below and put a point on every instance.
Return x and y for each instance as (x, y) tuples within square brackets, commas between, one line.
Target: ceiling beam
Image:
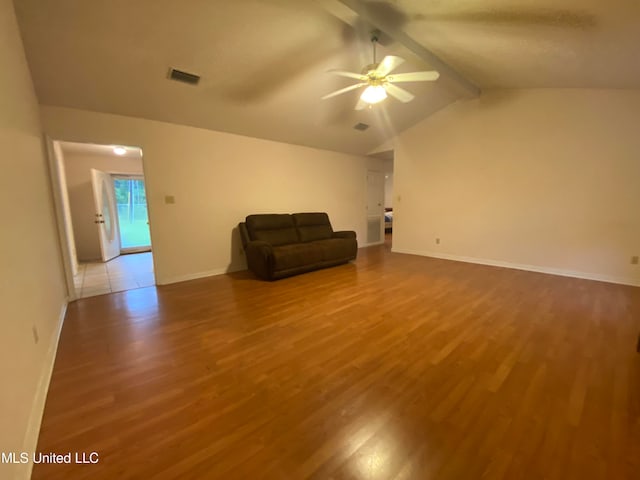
[(350, 10)]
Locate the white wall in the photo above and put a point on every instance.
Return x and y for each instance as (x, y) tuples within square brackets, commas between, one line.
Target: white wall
[(78, 174), (541, 179), (32, 293), (217, 179)]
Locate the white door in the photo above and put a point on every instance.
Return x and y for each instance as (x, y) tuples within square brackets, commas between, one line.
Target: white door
[(105, 219), (375, 207)]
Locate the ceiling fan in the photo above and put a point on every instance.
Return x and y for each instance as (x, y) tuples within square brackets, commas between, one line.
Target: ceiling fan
[(378, 81)]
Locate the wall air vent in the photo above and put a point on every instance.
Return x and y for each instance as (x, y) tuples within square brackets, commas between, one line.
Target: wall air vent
[(361, 126), (184, 77)]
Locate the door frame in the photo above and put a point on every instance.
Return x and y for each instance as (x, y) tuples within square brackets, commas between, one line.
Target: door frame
[(129, 176), (55, 174), (60, 216)]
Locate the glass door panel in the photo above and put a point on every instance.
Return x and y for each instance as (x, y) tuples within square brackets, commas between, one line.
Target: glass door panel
[(131, 200)]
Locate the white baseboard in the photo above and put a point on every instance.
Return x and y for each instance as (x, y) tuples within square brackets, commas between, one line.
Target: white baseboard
[(381, 242), (193, 276), (37, 407), (519, 266)]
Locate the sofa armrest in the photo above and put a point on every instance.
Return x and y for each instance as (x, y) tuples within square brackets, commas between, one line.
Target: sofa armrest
[(260, 258), (344, 234), (244, 234)]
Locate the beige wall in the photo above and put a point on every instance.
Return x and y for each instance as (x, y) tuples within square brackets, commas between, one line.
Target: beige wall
[(78, 173), (541, 179), (32, 293), (217, 179)]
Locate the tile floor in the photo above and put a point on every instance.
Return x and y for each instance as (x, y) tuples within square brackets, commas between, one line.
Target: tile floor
[(125, 272)]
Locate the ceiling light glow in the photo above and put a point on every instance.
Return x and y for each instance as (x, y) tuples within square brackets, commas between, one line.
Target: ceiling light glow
[(119, 150), (373, 94)]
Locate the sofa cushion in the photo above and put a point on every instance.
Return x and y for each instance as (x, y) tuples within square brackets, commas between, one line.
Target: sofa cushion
[(312, 226), (296, 255), (276, 229)]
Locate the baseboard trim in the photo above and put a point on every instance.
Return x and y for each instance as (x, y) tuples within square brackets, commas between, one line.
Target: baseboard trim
[(219, 271), (193, 276), (37, 407), (519, 266), (366, 245)]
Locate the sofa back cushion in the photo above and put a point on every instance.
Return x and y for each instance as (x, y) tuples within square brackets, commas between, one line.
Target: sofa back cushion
[(273, 228), (312, 226)]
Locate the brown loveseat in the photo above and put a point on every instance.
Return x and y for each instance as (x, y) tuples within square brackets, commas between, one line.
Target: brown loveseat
[(280, 245)]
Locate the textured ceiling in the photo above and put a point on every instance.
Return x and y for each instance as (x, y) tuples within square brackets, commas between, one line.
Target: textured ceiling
[(532, 43), (263, 62)]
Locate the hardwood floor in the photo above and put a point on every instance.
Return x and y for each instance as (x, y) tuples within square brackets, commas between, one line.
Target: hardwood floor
[(395, 367)]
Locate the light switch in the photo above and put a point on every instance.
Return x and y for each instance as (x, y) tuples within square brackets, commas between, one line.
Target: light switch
[(169, 199)]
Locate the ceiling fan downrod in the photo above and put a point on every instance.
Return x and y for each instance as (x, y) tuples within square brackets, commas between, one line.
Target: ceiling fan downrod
[(374, 41)]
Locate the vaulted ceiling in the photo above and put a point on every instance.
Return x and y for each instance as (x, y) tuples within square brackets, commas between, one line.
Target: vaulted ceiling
[(263, 63)]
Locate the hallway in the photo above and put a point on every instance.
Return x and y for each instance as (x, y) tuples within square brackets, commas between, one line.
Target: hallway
[(125, 272)]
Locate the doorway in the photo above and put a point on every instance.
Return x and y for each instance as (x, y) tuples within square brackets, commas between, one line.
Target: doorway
[(380, 200), (388, 200), (132, 212), (375, 209), (102, 202)]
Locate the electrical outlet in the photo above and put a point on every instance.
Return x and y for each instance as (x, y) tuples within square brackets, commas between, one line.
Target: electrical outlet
[(634, 260), (437, 241), (36, 337)]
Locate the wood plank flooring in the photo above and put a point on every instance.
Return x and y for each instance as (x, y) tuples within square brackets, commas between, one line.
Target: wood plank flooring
[(396, 367)]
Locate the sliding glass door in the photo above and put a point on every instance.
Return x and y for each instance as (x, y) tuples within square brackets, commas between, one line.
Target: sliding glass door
[(131, 200)]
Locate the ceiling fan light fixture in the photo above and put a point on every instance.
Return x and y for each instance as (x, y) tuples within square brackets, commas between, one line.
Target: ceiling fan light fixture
[(379, 82), (373, 94)]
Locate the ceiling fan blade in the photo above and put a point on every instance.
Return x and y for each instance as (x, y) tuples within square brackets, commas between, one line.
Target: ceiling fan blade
[(342, 73), (361, 105), (399, 93), (414, 77), (343, 90), (388, 64), (526, 16)]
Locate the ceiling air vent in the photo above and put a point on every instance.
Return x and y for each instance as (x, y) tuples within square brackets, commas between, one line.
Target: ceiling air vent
[(361, 126), (184, 77)]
